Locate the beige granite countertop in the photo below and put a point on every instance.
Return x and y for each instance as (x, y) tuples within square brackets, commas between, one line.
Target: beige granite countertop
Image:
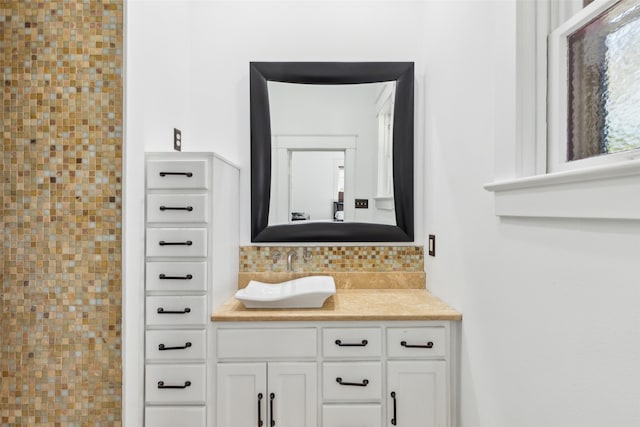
[(350, 304)]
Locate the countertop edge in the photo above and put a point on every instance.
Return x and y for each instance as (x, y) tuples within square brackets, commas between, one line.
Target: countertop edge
[(332, 318)]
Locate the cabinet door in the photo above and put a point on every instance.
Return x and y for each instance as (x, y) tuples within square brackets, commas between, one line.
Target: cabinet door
[(241, 394), (417, 394), (292, 394)]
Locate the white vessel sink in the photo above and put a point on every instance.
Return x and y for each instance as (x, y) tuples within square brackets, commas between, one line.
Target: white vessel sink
[(305, 292)]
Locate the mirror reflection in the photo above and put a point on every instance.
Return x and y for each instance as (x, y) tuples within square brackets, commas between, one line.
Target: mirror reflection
[(317, 185), (331, 153)]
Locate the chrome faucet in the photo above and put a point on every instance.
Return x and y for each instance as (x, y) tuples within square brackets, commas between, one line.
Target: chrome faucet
[(291, 256)]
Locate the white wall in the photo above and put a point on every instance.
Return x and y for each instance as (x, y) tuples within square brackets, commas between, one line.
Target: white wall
[(551, 319), (550, 307), (192, 65)]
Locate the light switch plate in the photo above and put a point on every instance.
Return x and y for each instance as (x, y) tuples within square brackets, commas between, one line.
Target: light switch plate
[(177, 139), (432, 245)]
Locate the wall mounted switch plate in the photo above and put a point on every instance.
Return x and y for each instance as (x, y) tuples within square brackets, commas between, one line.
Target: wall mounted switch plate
[(432, 245), (177, 139)]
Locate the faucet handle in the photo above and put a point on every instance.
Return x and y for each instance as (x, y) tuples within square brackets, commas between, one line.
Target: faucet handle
[(307, 255), (275, 256)]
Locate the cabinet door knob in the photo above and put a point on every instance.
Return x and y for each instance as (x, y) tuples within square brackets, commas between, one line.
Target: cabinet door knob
[(272, 396), (364, 343), (427, 345), (260, 410), (161, 385), (362, 384), (394, 420)]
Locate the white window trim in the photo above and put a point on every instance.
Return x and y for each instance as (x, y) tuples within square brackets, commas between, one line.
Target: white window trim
[(602, 191)]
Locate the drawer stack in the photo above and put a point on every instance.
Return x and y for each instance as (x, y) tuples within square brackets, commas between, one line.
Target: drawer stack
[(178, 203), (352, 377)]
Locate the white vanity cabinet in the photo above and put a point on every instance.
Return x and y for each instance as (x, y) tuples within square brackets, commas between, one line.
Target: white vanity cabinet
[(191, 265), (336, 374)]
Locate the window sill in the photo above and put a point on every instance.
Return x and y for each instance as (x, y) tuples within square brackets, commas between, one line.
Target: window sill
[(608, 192)]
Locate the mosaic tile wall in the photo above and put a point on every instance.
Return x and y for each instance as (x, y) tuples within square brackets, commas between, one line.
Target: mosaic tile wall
[(60, 360), (333, 258)]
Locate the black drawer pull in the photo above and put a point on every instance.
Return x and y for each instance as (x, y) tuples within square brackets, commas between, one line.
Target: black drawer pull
[(165, 277), (260, 410), (362, 384), (162, 347), (394, 420), (362, 344), (176, 208), (163, 311), (187, 174), (405, 345), (187, 243), (161, 385)]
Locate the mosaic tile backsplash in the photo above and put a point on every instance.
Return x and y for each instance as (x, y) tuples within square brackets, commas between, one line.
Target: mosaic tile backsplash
[(333, 258), (60, 340)]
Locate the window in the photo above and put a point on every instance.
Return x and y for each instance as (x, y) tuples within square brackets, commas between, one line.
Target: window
[(536, 174), (595, 86)]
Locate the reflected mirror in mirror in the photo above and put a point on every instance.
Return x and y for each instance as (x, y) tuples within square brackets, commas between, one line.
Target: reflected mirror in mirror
[(331, 145), (317, 186)]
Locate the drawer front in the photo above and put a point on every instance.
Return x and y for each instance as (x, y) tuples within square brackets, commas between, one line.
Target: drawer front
[(176, 276), (416, 342), (351, 342), (352, 381), (176, 310), (176, 345), (172, 416), (266, 343), (175, 384), (176, 242), (177, 208), (177, 174), (352, 415)]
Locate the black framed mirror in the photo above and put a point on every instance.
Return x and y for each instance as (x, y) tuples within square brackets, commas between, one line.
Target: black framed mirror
[(332, 73)]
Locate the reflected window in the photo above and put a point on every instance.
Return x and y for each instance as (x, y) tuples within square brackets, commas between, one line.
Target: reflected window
[(385, 142)]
